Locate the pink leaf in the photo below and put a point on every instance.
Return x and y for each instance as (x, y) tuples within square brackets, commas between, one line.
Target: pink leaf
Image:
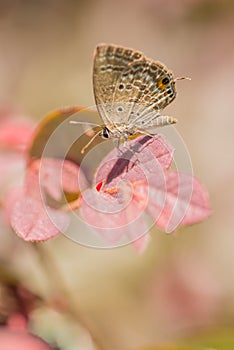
[(171, 199), (154, 195), (144, 155), (127, 187), (53, 176), (141, 243), (186, 202), (30, 217), (115, 218), (33, 221), (199, 206), (9, 202)]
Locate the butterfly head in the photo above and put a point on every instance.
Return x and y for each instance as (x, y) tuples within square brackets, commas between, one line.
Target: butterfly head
[(105, 133)]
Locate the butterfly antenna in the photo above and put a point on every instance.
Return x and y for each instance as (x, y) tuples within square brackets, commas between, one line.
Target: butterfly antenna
[(182, 78), (83, 149), (74, 122)]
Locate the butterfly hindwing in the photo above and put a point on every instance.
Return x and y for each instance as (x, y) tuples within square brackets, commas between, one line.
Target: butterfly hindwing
[(142, 84)]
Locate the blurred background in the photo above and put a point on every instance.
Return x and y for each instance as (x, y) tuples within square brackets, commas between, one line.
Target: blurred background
[(181, 289)]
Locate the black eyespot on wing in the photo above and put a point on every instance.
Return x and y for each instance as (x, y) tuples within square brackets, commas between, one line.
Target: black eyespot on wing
[(120, 109), (121, 86), (165, 81)]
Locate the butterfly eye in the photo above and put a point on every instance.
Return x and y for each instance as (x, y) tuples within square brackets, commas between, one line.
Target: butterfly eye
[(165, 81), (105, 133)]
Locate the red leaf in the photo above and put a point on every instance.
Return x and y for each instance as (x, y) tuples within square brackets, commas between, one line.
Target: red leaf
[(33, 221)]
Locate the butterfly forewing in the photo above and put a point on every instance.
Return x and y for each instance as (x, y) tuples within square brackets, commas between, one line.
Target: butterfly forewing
[(109, 63)]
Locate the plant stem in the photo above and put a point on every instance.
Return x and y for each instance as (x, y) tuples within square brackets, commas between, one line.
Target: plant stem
[(58, 287)]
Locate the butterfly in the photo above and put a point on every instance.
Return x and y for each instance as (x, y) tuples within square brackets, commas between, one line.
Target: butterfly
[(130, 92)]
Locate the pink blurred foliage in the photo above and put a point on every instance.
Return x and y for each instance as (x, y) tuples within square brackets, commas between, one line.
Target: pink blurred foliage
[(12, 167), (14, 338), (185, 293), (17, 303), (17, 321), (16, 130), (14, 138)]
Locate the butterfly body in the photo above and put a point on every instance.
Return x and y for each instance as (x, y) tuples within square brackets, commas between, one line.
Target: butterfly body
[(118, 131)]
